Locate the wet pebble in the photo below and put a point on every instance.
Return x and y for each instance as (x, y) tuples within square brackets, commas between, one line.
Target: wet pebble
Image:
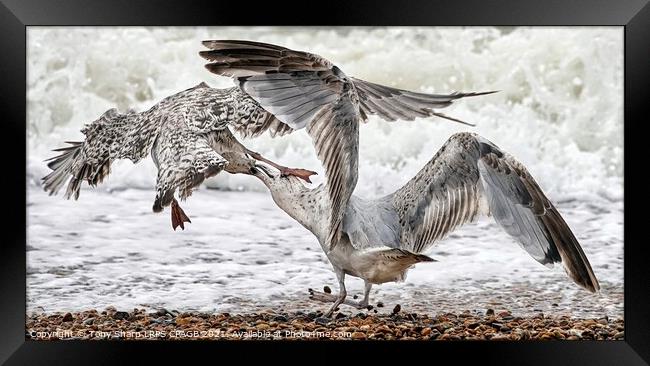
[(280, 318), (119, 315), (322, 321)]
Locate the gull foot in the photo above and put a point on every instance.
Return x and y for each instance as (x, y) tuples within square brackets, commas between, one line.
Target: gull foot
[(321, 296), (178, 216), (329, 298), (303, 174)]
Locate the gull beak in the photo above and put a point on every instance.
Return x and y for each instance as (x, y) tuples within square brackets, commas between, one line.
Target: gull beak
[(261, 168)]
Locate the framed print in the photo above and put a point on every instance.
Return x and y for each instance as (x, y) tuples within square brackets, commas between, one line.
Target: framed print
[(402, 178)]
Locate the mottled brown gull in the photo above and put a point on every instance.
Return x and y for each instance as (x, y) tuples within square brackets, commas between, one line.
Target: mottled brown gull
[(189, 138)]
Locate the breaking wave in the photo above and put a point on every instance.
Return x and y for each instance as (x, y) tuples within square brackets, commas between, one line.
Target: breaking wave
[(559, 109)]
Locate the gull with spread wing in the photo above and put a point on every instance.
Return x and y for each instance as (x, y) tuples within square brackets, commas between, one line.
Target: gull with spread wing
[(304, 90), (189, 138), (469, 176)]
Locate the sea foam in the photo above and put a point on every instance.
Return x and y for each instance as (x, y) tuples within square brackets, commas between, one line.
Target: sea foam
[(558, 110)]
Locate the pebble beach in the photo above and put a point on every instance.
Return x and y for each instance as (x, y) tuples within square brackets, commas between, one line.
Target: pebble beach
[(370, 324)]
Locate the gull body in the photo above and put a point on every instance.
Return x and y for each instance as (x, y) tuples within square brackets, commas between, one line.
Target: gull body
[(468, 177)]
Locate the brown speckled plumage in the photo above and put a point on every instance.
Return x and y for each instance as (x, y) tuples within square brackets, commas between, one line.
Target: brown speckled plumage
[(187, 135)]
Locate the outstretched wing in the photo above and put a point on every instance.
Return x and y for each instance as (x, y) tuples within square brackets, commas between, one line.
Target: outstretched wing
[(469, 171), (392, 104), (301, 90), (443, 195), (113, 136)]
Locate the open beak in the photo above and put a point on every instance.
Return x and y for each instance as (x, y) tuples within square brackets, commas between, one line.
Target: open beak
[(261, 168)]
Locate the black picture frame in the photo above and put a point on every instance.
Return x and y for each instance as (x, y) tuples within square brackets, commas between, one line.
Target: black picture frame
[(15, 15)]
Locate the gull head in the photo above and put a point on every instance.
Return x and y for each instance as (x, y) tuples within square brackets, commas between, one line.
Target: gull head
[(239, 163)]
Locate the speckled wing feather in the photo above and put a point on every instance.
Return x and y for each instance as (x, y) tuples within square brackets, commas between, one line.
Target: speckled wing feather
[(208, 109), (302, 90), (111, 137), (254, 127), (469, 172)]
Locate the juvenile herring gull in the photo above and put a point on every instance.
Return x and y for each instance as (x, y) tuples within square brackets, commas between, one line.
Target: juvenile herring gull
[(189, 138), (469, 176), (304, 90)]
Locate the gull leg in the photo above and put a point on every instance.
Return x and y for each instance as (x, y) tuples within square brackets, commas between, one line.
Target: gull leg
[(178, 215), (364, 303), (366, 296), (324, 297), (303, 174), (342, 293)]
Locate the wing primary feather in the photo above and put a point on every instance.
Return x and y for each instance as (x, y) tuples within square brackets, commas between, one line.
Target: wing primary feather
[(450, 189)]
